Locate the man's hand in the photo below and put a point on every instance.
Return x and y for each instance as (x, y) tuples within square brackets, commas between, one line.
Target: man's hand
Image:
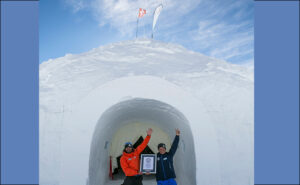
[(177, 132), (147, 173), (149, 131)]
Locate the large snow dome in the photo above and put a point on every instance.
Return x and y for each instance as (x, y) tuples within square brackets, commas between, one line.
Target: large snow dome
[(91, 103)]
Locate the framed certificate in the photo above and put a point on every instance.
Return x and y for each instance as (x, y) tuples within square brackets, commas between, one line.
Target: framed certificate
[(148, 163)]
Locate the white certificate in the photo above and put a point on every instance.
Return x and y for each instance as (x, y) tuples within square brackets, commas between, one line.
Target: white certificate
[(148, 163)]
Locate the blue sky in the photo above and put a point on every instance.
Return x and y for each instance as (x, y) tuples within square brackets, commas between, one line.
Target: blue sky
[(219, 28)]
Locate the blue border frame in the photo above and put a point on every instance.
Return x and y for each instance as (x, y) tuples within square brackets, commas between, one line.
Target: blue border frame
[(276, 92), (19, 92)]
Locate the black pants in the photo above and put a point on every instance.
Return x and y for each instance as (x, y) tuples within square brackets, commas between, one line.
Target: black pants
[(133, 180)]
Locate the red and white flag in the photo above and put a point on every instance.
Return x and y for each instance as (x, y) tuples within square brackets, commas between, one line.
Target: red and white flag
[(142, 12)]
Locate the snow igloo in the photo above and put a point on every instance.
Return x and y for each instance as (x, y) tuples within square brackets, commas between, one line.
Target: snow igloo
[(92, 103)]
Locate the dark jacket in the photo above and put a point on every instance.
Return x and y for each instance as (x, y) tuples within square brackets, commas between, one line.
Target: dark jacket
[(165, 169)]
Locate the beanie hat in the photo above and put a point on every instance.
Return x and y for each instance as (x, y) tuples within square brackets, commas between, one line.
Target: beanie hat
[(128, 144), (161, 145)]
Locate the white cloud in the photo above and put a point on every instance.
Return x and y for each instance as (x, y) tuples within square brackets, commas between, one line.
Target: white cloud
[(77, 5), (224, 40), (122, 14), (226, 33), (221, 28)]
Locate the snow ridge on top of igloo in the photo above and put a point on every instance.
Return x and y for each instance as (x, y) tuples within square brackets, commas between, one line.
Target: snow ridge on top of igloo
[(83, 72)]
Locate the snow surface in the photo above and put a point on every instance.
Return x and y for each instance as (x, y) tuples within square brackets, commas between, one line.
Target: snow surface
[(210, 100)]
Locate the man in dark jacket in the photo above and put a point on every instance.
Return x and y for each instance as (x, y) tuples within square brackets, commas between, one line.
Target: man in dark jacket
[(165, 173)]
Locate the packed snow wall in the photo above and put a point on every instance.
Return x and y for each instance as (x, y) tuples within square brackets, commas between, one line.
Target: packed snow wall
[(157, 85), (152, 114), (147, 100)]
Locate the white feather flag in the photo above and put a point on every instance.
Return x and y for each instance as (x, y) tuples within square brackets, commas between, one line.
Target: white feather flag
[(156, 14)]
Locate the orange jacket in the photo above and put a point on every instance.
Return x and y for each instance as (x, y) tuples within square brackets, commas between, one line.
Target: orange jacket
[(130, 162)]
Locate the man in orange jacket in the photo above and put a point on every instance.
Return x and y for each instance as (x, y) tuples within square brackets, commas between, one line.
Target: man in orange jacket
[(130, 161)]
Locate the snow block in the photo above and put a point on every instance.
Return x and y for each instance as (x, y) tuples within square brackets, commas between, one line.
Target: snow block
[(90, 101)]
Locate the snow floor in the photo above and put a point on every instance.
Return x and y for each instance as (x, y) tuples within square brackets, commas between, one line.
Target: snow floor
[(145, 182), (119, 179)]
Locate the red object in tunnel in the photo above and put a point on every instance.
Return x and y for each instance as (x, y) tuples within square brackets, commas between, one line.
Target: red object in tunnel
[(110, 169)]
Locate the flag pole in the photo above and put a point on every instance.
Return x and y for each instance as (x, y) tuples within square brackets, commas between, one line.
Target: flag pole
[(137, 27), (152, 24)]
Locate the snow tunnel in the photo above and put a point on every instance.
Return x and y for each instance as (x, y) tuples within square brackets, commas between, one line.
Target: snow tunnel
[(140, 102), (128, 121)]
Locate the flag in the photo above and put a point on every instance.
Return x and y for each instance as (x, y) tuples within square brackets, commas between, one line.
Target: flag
[(142, 12), (156, 14)]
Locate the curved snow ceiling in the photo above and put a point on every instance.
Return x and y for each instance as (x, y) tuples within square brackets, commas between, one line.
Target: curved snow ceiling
[(146, 111)]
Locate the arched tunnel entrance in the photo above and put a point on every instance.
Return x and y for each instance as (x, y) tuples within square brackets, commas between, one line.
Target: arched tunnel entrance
[(128, 121)]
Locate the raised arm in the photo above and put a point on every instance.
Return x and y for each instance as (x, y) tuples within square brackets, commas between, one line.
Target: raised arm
[(142, 146), (175, 143)]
